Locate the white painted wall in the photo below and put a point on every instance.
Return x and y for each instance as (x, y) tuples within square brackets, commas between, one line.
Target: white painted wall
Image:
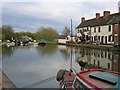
[(104, 31), (69, 38), (62, 41)]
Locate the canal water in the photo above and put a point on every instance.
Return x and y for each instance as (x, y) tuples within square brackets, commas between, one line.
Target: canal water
[(25, 65)]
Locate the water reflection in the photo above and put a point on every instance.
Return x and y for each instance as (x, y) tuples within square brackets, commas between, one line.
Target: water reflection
[(7, 51), (25, 65), (0, 57), (65, 51), (98, 58), (46, 50)]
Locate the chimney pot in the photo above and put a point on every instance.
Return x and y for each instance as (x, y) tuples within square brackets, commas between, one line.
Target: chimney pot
[(106, 13), (97, 16), (82, 19)]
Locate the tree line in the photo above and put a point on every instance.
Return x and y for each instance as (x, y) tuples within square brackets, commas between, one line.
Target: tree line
[(48, 33)]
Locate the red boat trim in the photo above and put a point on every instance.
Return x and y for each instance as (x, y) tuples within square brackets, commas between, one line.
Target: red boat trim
[(84, 85), (89, 83), (91, 70)]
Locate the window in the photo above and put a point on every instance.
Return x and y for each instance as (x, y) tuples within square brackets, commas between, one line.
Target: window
[(105, 54), (109, 56), (109, 38), (94, 61), (94, 29), (108, 65), (78, 30), (109, 28), (98, 63), (101, 54), (87, 29), (99, 38), (98, 29)]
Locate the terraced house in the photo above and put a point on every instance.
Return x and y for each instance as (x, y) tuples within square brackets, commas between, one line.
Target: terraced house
[(103, 29)]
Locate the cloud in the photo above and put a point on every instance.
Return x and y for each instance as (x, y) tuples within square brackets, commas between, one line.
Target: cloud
[(55, 13)]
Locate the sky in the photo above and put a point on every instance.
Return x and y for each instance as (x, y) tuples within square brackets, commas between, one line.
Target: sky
[(29, 15)]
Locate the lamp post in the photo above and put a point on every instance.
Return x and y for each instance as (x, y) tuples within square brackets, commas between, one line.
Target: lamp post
[(71, 30)]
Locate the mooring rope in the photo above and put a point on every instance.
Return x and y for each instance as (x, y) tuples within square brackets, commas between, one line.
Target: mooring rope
[(40, 82)]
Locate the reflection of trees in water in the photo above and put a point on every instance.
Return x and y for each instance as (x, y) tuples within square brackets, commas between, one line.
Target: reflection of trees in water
[(47, 50), (7, 51), (67, 52), (0, 50)]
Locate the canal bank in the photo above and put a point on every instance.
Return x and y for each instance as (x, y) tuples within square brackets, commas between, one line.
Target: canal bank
[(5, 81), (102, 47)]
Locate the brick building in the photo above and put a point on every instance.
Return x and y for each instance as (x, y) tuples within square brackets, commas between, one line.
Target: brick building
[(105, 29)]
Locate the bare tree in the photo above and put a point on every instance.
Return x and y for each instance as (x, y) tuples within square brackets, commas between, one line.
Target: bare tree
[(66, 31)]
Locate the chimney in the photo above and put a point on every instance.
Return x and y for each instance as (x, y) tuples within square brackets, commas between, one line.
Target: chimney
[(97, 16), (82, 19), (106, 13)]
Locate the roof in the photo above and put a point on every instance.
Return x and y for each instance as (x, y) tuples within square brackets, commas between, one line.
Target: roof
[(42, 40), (62, 36), (65, 36), (111, 19)]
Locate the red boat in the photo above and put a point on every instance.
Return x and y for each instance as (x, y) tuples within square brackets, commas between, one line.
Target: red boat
[(92, 79), (96, 79)]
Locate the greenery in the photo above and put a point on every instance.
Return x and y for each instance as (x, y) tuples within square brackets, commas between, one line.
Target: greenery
[(7, 33), (48, 34)]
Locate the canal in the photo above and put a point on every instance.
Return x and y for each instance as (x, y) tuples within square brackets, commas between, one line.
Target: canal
[(25, 65)]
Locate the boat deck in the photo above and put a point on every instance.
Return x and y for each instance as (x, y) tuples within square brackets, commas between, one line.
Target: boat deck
[(69, 80)]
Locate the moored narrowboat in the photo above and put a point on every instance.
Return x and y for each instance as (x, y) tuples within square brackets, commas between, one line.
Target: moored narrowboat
[(96, 79)]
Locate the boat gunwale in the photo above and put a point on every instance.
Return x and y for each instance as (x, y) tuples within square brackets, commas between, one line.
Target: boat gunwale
[(91, 70)]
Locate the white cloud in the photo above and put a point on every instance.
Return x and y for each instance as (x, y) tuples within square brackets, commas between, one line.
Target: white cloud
[(61, 11), (59, 0), (55, 10)]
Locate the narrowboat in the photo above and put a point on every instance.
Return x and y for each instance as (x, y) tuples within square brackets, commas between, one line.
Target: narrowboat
[(93, 79)]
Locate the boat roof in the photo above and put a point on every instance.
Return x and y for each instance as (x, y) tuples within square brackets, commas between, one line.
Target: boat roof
[(105, 76), (42, 40), (100, 78)]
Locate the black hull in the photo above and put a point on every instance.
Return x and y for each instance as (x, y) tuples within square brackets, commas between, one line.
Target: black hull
[(42, 44)]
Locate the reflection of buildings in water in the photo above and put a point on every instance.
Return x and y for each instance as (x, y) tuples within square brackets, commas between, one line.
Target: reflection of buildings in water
[(102, 59), (62, 47), (67, 49), (116, 61), (99, 58)]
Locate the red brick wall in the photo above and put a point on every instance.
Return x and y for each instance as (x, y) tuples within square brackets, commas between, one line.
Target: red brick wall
[(116, 30)]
